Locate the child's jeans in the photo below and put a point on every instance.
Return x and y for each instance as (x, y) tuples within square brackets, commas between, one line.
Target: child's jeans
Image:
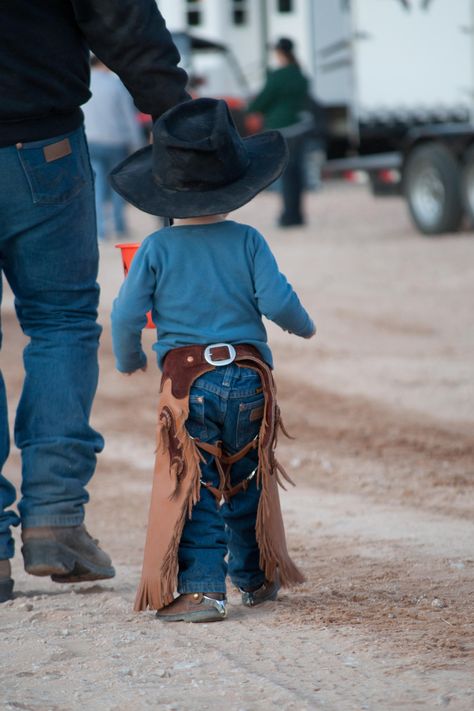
[(225, 405)]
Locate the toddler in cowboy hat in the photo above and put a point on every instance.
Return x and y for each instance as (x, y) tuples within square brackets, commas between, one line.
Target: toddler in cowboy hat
[(208, 281)]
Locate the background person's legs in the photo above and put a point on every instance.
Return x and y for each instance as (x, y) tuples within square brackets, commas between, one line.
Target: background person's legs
[(292, 184), (118, 154), (101, 187), (103, 159)]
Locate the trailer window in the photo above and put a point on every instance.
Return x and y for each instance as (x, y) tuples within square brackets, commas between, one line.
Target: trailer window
[(193, 12), (285, 5), (239, 12)]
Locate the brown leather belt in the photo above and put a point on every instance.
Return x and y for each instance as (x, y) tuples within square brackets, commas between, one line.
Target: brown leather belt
[(186, 363), (216, 354)]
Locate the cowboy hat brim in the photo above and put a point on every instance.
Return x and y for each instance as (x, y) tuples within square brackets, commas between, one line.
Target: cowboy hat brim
[(133, 180)]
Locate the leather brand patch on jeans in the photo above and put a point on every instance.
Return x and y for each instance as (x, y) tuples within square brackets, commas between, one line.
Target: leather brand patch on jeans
[(57, 150)]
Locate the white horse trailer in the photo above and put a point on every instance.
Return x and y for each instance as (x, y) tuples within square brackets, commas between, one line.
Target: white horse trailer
[(396, 78)]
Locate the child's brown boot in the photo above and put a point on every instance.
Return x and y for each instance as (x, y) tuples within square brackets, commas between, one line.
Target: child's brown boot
[(195, 607), (267, 591)]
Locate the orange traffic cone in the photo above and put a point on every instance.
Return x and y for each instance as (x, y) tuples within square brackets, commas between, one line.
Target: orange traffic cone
[(128, 252)]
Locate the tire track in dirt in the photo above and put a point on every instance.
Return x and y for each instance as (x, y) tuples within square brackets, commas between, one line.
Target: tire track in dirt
[(349, 443)]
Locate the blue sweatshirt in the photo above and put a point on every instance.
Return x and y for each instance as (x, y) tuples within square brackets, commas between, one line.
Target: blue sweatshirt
[(204, 284)]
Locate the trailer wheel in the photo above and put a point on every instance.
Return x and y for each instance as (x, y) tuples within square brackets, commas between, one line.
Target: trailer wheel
[(468, 185), (432, 186)]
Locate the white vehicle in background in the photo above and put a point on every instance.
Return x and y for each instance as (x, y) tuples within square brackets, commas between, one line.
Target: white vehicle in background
[(396, 80), (393, 81)]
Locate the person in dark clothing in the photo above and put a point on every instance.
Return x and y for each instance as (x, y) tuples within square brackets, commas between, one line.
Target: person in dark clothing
[(49, 255), (281, 102)]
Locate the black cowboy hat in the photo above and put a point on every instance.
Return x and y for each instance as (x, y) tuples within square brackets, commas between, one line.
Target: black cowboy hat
[(198, 164)]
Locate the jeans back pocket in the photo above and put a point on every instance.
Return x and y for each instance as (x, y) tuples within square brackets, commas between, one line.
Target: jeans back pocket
[(57, 179), (248, 420), (196, 422)]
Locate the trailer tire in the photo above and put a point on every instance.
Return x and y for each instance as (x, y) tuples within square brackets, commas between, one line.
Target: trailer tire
[(468, 185), (432, 187)]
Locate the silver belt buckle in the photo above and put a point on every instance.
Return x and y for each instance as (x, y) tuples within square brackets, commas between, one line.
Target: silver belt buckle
[(225, 361)]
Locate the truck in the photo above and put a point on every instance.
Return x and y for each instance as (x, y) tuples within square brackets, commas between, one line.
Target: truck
[(395, 79)]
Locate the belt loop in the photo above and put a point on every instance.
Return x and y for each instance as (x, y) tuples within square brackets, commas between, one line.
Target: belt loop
[(228, 375)]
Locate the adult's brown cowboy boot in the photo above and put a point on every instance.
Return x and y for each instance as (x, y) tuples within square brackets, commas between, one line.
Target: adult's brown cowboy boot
[(195, 607), (68, 554), (6, 583)]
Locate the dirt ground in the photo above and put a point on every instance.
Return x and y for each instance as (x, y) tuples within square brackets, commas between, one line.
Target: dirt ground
[(382, 407)]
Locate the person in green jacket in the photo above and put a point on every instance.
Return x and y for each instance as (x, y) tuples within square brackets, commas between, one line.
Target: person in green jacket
[(281, 103)]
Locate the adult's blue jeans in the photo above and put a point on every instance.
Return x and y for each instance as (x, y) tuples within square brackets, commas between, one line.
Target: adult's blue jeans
[(103, 159), (49, 255), (225, 405)]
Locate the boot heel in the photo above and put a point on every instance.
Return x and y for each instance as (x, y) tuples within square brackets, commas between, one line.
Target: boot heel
[(46, 558)]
